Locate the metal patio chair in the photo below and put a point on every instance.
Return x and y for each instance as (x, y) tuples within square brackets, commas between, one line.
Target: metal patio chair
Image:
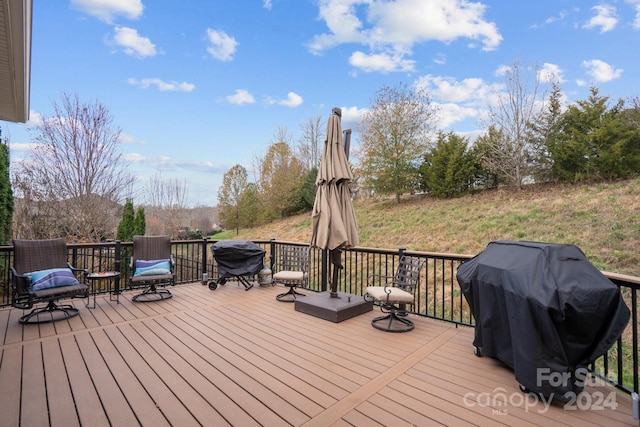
[(42, 274), (291, 269), (394, 293), (152, 265)]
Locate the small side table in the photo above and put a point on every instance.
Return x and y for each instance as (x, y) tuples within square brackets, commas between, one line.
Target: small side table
[(96, 278)]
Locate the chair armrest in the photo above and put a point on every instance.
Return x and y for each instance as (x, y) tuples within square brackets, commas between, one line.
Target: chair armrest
[(20, 282), (388, 282), (382, 280), (84, 271)]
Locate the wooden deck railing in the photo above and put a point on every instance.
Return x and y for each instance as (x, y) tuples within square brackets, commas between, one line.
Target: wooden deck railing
[(438, 297)]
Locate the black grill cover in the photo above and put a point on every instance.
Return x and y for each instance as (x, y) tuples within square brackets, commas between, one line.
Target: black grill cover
[(541, 305), (238, 257)]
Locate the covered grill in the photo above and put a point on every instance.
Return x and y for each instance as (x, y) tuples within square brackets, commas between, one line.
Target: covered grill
[(544, 310), (237, 258)]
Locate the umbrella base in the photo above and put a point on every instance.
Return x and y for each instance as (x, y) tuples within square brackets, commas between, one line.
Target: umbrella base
[(326, 307)]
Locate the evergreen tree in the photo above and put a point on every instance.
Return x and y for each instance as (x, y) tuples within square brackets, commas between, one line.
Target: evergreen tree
[(126, 226), (140, 222), (6, 195), (308, 189), (595, 142), (448, 169), (545, 131)]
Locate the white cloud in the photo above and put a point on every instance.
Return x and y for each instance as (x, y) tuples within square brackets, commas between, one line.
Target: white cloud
[(172, 164), (293, 100), (449, 114), (161, 85), (23, 147), (380, 62), (605, 18), (391, 28), (221, 45), (134, 157), (636, 20), (351, 116), (502, 70), (267, 4), (125, 138), (549, 73), (133, 43), (561, 16), (448, 89), (459, 100), (241, 96), (35, 119), (440, 59), (600, 71), (107, 10)]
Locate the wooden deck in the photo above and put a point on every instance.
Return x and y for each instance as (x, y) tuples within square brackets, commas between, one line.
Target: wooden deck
[(236, 357)]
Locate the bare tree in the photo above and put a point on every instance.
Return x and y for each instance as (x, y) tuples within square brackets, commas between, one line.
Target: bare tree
[(633, 112), (512, 155), (203, 218), (309, 147), (71, 184), (282, 134), (167, 204)]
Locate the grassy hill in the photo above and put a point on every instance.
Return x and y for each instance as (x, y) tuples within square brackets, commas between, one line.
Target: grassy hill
[(602, 219)]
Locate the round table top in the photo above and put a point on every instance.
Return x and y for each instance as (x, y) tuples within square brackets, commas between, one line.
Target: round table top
[(103, 274)]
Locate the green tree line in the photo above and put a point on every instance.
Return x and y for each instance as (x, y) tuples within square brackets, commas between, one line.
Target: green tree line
[(528, 139)]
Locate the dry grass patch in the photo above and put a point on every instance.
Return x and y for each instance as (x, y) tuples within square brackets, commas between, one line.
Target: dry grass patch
[(602, 219)]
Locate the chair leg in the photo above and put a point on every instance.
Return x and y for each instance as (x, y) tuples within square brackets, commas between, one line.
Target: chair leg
[(392, 322), (48, 313), (152, 294), (292, 291)]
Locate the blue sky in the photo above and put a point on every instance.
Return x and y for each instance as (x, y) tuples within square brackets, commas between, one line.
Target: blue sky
[(198, 86)]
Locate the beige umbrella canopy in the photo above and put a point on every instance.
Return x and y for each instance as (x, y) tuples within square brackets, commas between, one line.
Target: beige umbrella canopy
[(333, 219)]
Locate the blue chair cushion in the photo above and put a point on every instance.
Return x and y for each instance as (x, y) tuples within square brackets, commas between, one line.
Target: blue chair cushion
[(51, 278), (154, 267)]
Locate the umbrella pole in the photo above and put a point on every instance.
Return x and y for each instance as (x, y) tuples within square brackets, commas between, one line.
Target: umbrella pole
[(335, 259), (334, 283)]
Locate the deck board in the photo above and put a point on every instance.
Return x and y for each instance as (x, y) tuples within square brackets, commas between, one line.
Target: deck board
[(56, 380), (203, 398), (141, 372), (33, 410), (236, 357), (86, 399), (10, 378), (250, 373), (140, 402), (111, 397)]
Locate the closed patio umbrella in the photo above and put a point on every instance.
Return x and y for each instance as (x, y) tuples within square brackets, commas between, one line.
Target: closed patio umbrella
[(333, 219)]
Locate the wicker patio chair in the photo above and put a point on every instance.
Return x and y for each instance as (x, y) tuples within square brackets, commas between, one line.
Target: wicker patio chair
[(394, 293), (152, 265), (291, 269), (42, 274)]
